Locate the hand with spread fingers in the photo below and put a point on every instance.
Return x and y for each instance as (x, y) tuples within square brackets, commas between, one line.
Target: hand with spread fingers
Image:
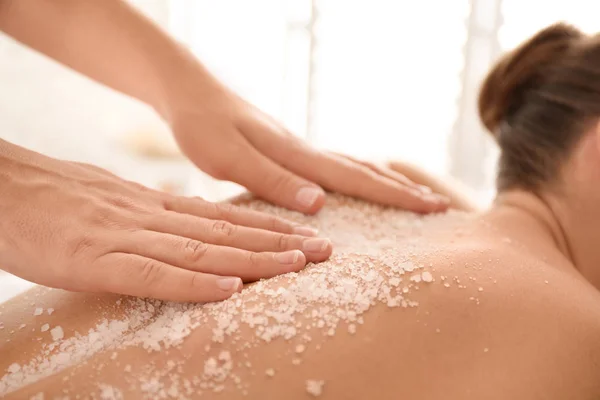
[(233, 140), (81, 228)]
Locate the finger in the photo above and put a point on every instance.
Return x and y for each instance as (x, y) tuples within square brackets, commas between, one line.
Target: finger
[(350, 178), (270, 181), (444, 201), (136, 275), (223, 233), (387, 172), (194, 255), (236, 215), (339, 174)]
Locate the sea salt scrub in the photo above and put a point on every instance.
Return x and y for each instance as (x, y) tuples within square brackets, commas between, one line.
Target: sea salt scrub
[(375, 263), (314, 387)]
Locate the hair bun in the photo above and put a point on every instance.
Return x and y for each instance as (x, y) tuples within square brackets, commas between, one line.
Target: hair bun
[(523, 68)]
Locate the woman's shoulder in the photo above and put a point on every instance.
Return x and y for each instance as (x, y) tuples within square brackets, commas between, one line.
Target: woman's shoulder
[(515, 320)]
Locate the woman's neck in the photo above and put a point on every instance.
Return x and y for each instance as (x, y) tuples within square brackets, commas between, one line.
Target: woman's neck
[(559, 229)]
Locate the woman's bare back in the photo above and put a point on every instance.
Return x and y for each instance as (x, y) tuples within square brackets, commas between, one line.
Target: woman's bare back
[(408, 306)]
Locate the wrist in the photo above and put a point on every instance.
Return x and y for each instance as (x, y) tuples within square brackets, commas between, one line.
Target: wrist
[(186, 87)]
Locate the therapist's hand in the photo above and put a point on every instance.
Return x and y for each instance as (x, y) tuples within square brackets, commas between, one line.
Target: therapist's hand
[(230, 139), (80, 228)]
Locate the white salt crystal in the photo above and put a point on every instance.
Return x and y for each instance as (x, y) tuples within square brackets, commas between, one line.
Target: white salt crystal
[(38, 311), (108, 392), (45, 327), (57, 333), (300, 348), (270, 372), (14, 368), (314, 387), (224, 356), (426, 276), (50, 311), (352, 329)]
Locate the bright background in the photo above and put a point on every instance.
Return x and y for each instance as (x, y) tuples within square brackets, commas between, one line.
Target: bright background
[(378, 79)]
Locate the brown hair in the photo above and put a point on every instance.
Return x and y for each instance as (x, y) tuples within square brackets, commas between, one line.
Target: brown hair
[(538, 101)]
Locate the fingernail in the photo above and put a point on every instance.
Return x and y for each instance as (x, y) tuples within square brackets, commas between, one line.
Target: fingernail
[(424, 189), (315, 245), (288, 257), (307, 196), (305, 231), (229, 284)]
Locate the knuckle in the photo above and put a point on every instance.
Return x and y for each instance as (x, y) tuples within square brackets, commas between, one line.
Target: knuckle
[(80, 245), (196, 282), (253, 259), (121, 201), (283, 241), (278, 182), (150, 273), (108, 215), (225, 210), (194, 250), (277, 223), (223, 228)]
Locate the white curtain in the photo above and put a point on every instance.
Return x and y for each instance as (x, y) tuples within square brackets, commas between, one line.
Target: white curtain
[(373, 78)]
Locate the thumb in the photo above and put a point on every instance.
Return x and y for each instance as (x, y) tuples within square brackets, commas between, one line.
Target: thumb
[(270, 181)]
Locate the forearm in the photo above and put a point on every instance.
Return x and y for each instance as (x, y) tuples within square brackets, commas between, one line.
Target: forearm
[(108, 41)]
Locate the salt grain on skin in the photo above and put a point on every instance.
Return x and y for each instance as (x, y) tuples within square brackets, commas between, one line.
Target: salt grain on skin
[(57, 333), (367, 268), (427, 277), (38, 396), (45, 327), (270, 372), (352, 329), (314, 387), (38, 311)]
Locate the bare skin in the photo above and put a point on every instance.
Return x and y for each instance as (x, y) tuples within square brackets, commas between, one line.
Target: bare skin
[(530, 332), (111, 245)]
